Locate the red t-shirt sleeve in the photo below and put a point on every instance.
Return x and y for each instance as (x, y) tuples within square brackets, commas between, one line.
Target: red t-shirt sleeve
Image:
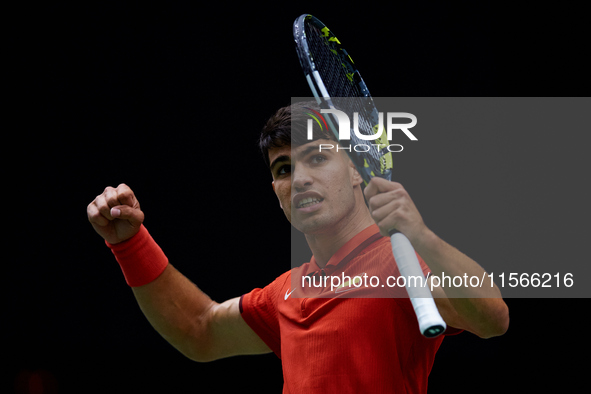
[(258, 309)]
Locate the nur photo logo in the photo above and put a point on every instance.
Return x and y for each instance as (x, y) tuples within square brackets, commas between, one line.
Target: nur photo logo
[(379, 137)]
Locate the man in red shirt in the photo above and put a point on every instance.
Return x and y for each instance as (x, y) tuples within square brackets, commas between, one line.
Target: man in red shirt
[(329, 343), (337, 339)]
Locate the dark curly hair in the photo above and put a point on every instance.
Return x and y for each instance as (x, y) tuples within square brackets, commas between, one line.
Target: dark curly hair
[(288, 126)]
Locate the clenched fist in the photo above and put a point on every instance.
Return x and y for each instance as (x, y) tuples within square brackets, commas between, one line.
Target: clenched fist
[(392, 208), (115, 214)]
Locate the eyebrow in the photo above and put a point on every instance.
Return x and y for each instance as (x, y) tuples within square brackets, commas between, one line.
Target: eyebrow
[(279, 160), (285, 158), (309, 149)]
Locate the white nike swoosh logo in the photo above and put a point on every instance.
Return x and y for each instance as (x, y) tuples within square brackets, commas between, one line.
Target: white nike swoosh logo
[(288, 293)]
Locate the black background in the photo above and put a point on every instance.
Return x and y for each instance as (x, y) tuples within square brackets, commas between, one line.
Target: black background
[(170, 99)]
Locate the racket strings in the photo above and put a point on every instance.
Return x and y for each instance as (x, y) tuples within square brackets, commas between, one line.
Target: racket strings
[(329, 64), (339, 78)]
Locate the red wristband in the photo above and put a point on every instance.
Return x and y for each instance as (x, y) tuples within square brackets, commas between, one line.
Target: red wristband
[(140, 258)]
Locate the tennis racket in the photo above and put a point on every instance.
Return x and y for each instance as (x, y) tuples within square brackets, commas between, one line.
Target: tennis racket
[(336, 84)]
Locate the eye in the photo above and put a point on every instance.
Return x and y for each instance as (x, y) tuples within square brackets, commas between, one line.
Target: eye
[(284, 169), (317, 159)]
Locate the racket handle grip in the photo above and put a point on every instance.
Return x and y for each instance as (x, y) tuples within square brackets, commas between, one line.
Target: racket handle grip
[(431, 324)]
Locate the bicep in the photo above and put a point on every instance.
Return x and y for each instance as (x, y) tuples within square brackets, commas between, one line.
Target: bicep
[(229, 333)]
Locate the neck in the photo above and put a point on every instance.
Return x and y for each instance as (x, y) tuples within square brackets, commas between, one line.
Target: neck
[(325, 244)]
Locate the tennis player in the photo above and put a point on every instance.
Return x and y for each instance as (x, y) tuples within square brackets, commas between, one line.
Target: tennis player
[(327, 342)]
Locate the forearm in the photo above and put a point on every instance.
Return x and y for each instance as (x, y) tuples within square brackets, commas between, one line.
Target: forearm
[(445, 260), (178, 310), (175, 307), (200, 328), (480, 309)]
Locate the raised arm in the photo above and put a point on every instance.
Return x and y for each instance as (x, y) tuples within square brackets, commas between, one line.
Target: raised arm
[(480, 310), (187, 318)]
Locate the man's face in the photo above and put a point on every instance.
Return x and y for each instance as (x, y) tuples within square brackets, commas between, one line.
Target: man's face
[(314, 188)]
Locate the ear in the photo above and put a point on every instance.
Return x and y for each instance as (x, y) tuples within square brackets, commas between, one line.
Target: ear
[(273, 185), (356, 178)]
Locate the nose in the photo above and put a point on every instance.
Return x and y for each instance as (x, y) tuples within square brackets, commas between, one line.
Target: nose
[(301, 179)]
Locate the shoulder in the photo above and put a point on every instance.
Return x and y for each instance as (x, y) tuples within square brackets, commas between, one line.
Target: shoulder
[(266, 296)]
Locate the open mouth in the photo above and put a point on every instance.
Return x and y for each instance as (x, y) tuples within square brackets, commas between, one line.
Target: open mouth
[(306, 202)]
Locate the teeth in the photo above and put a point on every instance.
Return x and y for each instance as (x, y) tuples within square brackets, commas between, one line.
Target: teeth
[(306, 202)]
